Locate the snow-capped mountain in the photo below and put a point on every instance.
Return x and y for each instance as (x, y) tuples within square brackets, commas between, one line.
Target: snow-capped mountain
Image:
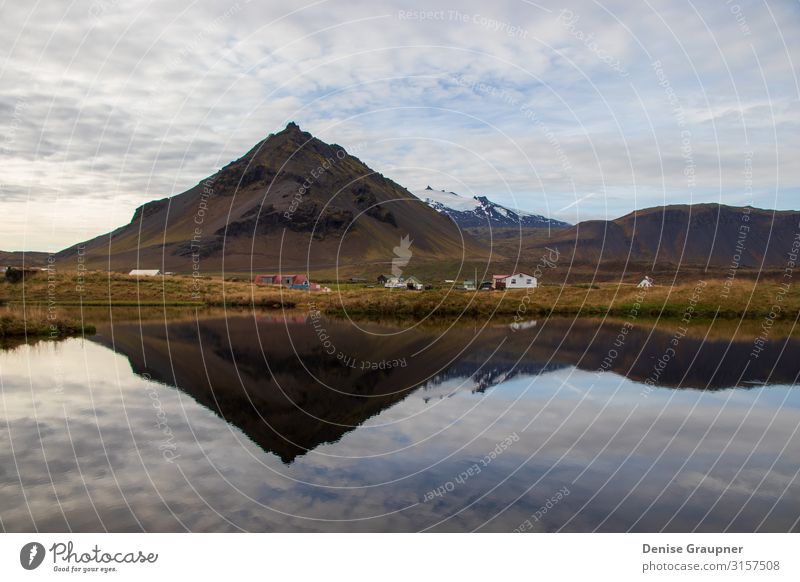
[(480, 211)]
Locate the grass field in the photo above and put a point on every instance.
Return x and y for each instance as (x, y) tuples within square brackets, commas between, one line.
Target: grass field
[(40, 323), (744, 298)]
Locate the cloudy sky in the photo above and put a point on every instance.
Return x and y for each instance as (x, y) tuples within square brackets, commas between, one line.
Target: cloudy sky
[(576, 110)]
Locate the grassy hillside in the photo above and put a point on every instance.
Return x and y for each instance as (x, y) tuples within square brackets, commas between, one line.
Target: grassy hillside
[(699, 235)]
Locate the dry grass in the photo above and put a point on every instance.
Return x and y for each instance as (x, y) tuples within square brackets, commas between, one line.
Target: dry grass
[(16, 322), (744, 299), (100, 289)]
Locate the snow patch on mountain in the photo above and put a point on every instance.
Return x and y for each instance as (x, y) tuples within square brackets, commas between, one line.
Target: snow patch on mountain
[(480, 211), (448, 200)]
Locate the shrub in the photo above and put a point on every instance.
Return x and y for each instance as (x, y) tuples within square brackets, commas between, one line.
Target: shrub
[(15, 275)]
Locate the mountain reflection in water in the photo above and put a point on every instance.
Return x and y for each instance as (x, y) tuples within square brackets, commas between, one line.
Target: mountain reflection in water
[(294, 382), (350, 426)]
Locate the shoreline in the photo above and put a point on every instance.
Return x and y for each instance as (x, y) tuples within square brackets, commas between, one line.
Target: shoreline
[(705, 298), (17, 326)]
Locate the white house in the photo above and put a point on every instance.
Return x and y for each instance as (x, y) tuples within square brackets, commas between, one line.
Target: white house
[(518, 281), (145, 273), (645, 283), (414, 284), (466, 285), (394, 282)]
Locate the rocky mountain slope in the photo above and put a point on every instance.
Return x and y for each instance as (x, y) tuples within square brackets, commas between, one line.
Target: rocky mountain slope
[(292, 202)]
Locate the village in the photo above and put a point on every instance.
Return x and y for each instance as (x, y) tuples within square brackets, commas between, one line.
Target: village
[(515, 281), (520, 280), (409, 283), (300, 282), (399, 295)]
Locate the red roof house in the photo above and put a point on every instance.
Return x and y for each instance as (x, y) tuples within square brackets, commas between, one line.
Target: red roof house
[(282, 280)]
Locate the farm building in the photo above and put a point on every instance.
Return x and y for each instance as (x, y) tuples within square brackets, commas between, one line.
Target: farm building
[(414, 284), (300, 282), (145, 273), (467, 285), (397, 282), (497, 281), (281, 280), (267, 280), (394, 282), (517, 281), (645, 283)]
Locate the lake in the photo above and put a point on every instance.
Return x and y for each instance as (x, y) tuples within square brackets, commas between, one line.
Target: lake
[(242, 421)]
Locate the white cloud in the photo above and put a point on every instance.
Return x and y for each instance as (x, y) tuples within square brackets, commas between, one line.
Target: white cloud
[(120, 103)]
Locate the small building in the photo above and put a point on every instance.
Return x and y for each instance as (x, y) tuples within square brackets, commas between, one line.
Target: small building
[(645, 283), (291, 281), (295, 281), (267, 280), (394, 282), (414, 284), (467, 285), (519, 281), (497, 281), (145, 273)]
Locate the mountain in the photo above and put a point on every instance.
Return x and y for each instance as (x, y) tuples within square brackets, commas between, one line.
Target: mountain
[(23, 258), (290, 396), (294, 202), (701, 235), (479, 211), (291, 202)]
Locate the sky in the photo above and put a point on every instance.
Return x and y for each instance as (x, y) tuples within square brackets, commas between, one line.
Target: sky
[(575, 110)]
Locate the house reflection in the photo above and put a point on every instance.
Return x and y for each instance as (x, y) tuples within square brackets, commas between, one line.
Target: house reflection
[(292, 382)]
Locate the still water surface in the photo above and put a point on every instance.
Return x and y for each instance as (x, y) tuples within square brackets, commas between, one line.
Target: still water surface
[(287, 422)]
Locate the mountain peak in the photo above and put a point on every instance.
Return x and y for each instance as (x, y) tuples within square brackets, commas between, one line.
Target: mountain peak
[(293, 131), (287, 149), (293, 127)]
